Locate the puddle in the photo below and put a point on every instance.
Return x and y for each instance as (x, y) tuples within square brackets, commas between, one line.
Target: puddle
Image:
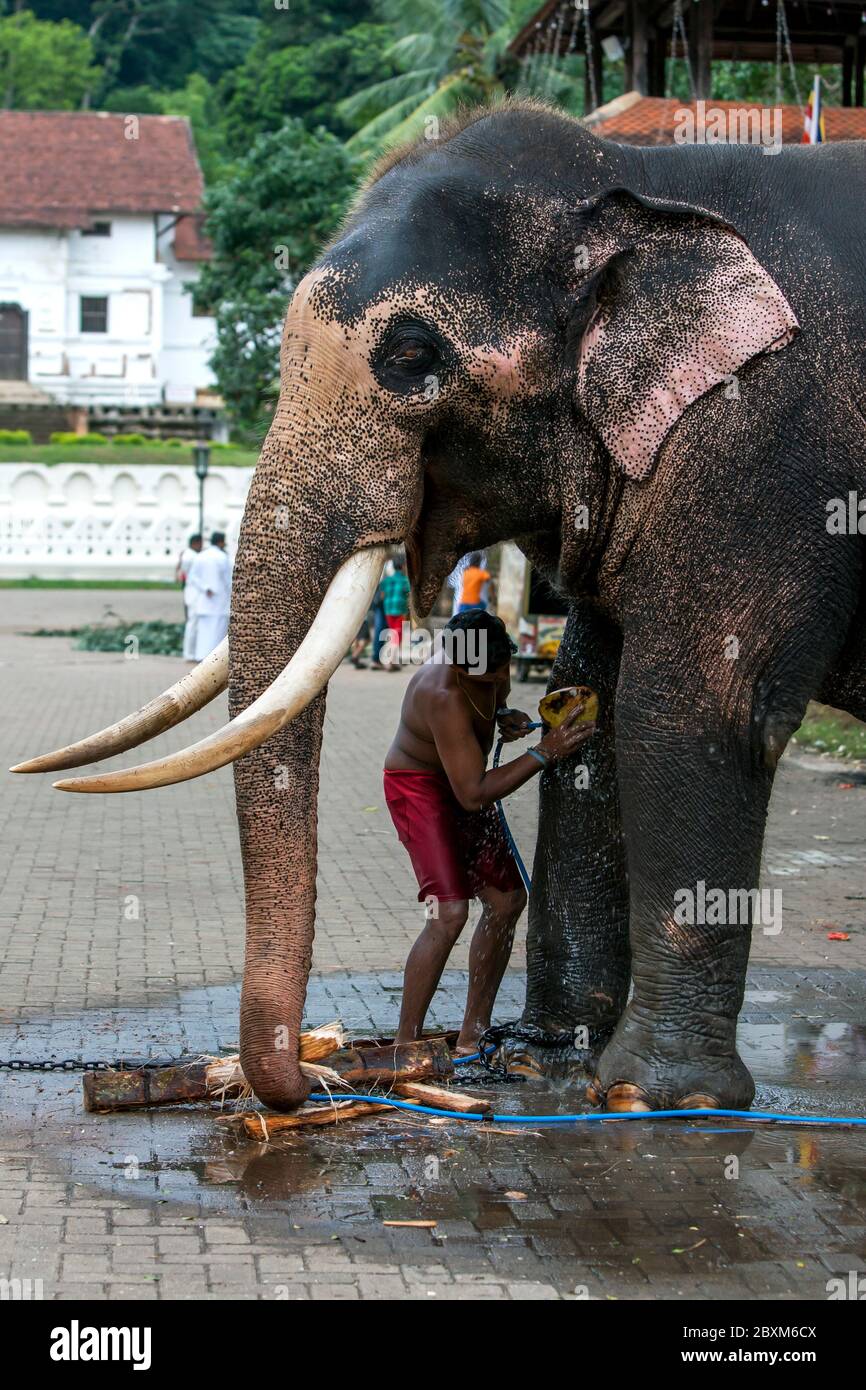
[(635, 1202)]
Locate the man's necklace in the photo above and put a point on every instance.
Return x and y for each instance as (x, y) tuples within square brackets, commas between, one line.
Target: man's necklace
[(487, 717)]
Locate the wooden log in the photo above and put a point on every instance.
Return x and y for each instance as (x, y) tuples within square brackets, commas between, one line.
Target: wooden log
[(319, 1043), (363, 1043), (127, 1090), (206, 1077), (369, 1066), (381, 1064), (365, 1066), (442, 1099), (263, 1127)]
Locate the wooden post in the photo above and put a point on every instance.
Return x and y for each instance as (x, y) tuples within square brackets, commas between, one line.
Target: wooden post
[(657, 60), (593, 66), (639, 49), (628, 44), (848, 51), (700, 35)]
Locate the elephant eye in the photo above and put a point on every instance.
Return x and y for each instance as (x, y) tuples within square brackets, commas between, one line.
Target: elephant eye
[(412, 360), (412, 354)]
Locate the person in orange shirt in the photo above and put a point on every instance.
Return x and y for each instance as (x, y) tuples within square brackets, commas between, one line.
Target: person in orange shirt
[(474, 579)]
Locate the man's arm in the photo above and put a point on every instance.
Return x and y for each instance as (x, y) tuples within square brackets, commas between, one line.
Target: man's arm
[(464, 762)]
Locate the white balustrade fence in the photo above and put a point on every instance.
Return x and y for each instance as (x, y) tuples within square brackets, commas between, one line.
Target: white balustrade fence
[(110, 521)]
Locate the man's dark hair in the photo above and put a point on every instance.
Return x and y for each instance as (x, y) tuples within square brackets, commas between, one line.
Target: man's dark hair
[(196, 536), (217, 537), (488, 651), (475, 558), (399, 564)]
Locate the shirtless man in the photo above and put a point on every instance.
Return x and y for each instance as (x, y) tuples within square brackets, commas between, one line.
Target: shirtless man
[(441, 799)]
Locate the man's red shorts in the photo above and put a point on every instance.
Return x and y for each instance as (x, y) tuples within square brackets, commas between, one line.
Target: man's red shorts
[(454, 853)]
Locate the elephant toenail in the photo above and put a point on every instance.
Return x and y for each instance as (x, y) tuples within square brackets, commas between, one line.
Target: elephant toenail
[(593, 1091), (698, 1101), (624, 1097)]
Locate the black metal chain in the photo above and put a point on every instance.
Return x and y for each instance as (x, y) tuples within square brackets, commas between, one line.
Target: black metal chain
[(76, 1064), (498, 1033)]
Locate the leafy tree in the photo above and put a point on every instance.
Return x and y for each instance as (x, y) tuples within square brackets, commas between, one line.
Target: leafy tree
[(157, 43), (267, 223), (448, 53), (160, 42), (301, 80), (757, 82), (302, 22), (43, 65)]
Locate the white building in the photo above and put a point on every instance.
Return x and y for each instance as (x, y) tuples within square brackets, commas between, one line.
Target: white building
[(99, 236)]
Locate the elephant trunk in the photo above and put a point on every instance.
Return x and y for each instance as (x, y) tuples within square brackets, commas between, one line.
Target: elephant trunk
[(284, 568), (276, 789)]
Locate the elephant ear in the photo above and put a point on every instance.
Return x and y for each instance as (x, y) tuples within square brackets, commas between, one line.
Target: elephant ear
[(678, 305)]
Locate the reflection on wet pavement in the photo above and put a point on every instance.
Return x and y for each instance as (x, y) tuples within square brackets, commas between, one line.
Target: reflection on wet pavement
[(619, 1210)]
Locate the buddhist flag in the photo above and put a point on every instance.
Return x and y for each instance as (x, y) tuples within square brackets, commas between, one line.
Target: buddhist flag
[(813, 133)]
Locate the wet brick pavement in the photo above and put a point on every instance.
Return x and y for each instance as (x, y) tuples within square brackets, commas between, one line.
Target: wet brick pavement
[(120, 933)]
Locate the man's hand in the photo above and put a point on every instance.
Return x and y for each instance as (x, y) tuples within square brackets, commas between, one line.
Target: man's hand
[(512, 724), (569, 735)]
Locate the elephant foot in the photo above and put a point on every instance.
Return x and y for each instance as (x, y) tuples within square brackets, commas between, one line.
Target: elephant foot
[(540, 1047), (535, 1061), (638, 1071)]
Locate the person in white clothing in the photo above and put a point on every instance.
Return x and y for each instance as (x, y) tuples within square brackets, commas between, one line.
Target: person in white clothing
[(181, 574), (209, 585)]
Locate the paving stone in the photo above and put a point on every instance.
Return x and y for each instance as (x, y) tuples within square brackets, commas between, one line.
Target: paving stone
[(604, 1210)]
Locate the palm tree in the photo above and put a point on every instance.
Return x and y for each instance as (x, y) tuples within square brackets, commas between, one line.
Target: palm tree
[(450, 52)]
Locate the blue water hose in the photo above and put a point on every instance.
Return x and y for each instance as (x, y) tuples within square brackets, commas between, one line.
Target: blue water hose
[(593, 1117), (527, 881)]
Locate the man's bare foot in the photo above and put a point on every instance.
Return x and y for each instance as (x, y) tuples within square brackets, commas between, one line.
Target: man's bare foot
[(467, 1047)]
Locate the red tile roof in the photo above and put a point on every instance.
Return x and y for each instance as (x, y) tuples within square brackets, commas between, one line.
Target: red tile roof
[(635, 120), (60, 168), (190, 242)]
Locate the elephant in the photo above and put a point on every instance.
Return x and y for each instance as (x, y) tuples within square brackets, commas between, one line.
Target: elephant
[(646, 367)]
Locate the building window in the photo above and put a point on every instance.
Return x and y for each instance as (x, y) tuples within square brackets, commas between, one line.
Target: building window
[(94, 314), (98, 229)]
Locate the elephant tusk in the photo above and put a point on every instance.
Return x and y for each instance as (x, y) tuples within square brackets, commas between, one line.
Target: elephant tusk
[(197, 688), (320, 653)]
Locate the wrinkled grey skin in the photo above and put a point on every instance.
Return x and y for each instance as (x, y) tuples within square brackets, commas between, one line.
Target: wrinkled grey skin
[(710, 603)]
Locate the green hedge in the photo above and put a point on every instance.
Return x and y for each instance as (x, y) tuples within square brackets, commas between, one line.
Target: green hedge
[(16, 437), (70, 437), (156, 452), (153, 638)]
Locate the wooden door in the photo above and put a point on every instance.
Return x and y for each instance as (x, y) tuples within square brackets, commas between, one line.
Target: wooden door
[(13, 343)]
